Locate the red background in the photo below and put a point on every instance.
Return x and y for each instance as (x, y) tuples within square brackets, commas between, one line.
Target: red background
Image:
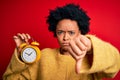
[(29, 16)]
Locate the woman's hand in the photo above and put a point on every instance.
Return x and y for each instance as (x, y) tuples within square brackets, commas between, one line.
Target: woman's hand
[(78, 49), (21, 38)]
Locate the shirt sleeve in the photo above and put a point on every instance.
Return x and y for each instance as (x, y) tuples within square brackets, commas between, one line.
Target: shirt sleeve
[(18, 70), (106, 58)]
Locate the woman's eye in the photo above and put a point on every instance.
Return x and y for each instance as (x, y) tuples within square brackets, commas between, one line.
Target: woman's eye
[(71, 32), (59, 32)]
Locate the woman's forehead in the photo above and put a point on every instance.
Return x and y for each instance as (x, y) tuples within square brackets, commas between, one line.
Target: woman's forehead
[(67, 24)]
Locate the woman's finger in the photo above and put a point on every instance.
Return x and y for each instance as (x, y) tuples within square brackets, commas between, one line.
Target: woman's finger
[(15, 37), (17, 40), (80, 44), (78, 60), (75, 48), (21, 36), (75, 56), (25, 37), (84, 40), (78, 66), (28, 36)]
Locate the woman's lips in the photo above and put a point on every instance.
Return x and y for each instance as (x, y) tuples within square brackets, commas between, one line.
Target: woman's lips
[(65, 44)]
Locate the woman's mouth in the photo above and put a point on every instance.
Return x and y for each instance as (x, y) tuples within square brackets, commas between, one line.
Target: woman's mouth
[(65, 44)]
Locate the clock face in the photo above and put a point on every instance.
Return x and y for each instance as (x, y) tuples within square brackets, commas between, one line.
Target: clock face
[(29, 54)]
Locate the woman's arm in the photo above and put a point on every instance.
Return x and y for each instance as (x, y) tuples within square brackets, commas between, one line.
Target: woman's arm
[(18, 70), (106, 58)]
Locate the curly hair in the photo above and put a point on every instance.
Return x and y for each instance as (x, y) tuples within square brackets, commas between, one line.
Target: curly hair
[(69, 11)]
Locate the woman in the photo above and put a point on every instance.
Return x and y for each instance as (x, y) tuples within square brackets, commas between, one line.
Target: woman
[(80, 56)]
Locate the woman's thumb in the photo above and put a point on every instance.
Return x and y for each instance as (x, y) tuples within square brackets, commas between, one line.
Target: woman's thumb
[(78, 66)]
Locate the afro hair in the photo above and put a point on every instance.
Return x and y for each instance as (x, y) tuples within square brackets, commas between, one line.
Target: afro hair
[(69, 11)]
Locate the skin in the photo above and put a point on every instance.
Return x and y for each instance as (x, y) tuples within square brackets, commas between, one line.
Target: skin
[(70, 39), (72, 42)]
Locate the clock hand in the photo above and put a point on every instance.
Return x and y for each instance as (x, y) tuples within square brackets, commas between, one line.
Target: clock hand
[(26, 53), (30, 54)]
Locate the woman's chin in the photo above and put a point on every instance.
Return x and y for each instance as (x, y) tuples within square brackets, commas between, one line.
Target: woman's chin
[(65, 48)]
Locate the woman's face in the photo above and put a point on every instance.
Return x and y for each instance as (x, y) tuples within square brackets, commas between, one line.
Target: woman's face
[(66, 30)]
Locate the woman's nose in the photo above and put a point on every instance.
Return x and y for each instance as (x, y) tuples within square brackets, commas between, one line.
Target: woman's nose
[(66, 37)]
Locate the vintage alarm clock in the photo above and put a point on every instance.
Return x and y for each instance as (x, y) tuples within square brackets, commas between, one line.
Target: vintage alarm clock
[(30, 53)]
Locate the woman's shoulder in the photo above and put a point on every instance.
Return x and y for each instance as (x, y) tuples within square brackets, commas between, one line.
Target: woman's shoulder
[(48, 54), (48, 50)]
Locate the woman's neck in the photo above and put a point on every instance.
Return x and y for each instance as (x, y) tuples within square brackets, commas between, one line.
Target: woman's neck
[(64, 52)]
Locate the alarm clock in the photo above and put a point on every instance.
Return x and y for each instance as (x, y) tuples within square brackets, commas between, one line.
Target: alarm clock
[(30, 53)]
